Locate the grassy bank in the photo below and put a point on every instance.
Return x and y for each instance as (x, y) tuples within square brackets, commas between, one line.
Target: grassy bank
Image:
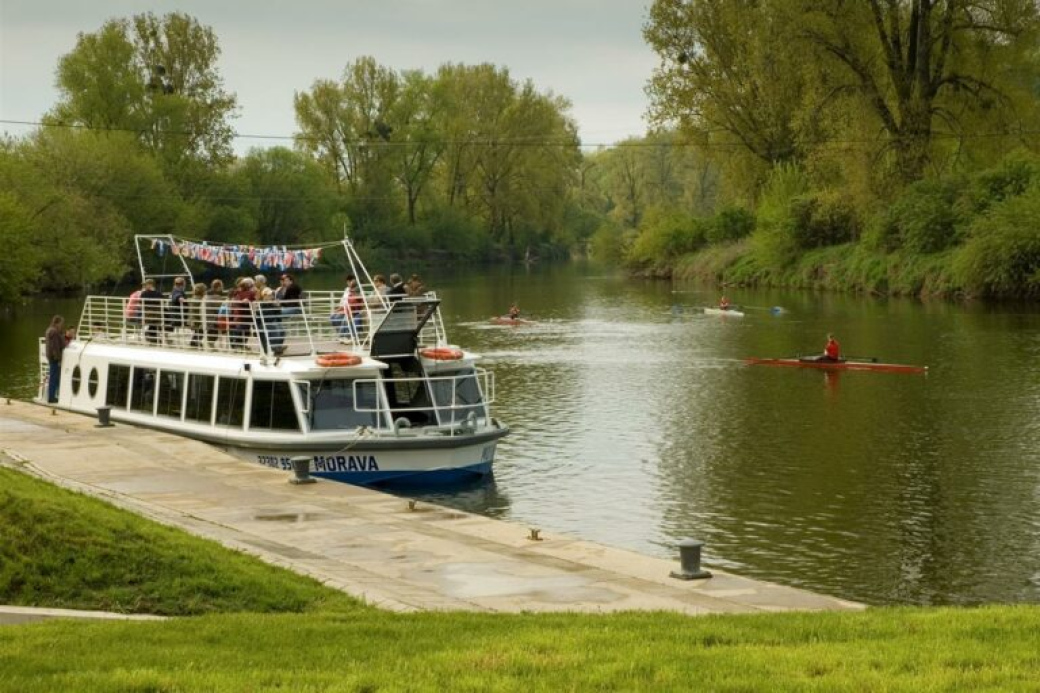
[(849, 267), (69, 550)]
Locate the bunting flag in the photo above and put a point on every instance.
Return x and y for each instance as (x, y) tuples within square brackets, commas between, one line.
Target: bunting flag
[(280, 258)]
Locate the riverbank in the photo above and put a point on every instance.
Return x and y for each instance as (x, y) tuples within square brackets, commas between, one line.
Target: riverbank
[(849, 268), (323, 640)]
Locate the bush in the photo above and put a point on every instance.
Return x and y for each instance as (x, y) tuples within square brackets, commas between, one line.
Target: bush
[(923, 220), (730, 224), (1011, 177), (774, 240), (607, 244), (665, 235), (1002, 254), (822, 219)]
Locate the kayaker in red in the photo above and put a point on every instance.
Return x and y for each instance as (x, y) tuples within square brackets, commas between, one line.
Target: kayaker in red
[(723, 303), (832, 351)]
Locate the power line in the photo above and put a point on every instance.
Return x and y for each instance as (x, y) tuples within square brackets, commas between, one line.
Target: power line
[(537, 142)]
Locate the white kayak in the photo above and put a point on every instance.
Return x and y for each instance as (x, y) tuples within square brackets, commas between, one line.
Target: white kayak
[(728, 311)]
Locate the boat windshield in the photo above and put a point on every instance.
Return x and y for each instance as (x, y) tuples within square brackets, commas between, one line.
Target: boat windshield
[(333, 405), (456, 395)]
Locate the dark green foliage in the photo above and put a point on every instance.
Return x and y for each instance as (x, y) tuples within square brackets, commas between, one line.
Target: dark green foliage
[(823, 218), (1011, 177), (1002, 254), (922, 220), (730, 224)]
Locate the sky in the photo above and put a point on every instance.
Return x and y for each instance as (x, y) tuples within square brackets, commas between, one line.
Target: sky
[(589, 51)]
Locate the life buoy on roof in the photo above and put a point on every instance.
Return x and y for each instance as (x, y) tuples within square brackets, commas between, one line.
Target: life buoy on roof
[(338, 359), (441, 353)]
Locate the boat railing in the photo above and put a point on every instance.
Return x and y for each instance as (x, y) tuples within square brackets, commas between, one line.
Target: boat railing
[(315, 324), (456, 402)]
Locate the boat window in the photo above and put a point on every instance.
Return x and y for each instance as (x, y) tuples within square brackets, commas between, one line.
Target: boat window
[(171, 393), (117, 386), (77, 378), (142, 392), (92, 383), (333, 405), (456, 395), (199, 406), (273, 406), (231, 401)]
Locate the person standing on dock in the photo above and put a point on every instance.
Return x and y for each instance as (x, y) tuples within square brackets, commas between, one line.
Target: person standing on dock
[(54, 338)]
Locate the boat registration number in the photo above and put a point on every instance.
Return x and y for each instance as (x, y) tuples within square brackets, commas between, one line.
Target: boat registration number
[(326, 463)]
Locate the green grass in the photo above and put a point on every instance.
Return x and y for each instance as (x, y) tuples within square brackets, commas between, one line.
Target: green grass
[(66, 550), (849, 267), (335, 644)]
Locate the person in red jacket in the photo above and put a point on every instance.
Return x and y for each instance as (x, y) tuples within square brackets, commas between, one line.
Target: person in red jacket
[(832, 351)]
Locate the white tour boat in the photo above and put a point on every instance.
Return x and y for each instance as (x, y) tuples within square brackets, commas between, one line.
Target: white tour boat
[(380, 398)]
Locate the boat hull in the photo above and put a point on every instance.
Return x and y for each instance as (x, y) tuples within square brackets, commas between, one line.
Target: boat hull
[(719, 311), (505, 320), (848, 365), (389, 461)]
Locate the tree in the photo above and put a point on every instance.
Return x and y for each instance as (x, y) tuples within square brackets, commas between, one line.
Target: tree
[(919, 64), (155, 77), (727, 68), (348, 127), (295, 198)]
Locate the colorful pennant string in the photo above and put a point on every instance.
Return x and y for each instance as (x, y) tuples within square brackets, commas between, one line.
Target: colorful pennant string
[(237, 256)]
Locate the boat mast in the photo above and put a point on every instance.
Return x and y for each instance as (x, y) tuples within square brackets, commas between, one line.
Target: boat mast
[(148, 240)]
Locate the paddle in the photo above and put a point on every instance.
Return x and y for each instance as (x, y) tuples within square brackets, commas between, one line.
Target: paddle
[(868, 359), (775, 310)]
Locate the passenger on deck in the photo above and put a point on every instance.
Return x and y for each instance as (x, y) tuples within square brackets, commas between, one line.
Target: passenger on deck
[(215, 322), (415, 286), (397, 288), (240, 325), (269, 323), (289, 295), (196, 320), (151, 311), (347, 316)]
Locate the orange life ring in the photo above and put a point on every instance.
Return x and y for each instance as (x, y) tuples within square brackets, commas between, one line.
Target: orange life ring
[(441, 353), (338, 360)]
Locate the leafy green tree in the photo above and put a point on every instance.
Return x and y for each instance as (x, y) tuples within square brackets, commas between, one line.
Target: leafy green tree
[(348, 126), (155, 77), (922, 66), (727, 67), (295, 201)]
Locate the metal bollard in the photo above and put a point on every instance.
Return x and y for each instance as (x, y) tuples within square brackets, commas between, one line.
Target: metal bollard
[(104, 417), (690, 561), (302, 470)]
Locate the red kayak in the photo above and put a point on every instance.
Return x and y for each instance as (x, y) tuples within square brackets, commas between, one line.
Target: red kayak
[(842, 365), (506, 320)]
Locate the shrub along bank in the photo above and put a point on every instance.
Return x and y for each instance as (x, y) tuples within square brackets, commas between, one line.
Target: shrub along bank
[(976, 236)]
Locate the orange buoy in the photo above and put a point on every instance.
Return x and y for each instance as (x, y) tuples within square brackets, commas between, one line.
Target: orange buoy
[(338, 359), (441, 353)]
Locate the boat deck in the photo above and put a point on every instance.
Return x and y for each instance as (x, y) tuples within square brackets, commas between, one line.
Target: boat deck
[(306, 327), (370, 544)]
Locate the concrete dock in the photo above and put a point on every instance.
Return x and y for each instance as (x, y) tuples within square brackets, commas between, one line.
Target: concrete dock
[(381, 548)]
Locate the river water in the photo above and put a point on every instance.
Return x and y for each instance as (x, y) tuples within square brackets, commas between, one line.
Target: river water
[(635, 423)]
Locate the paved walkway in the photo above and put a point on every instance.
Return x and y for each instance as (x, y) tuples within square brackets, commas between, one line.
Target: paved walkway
[(392, 553)]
